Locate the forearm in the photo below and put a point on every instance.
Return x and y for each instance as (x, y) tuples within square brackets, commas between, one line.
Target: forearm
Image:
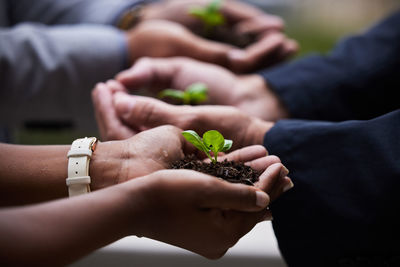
[(357, 80), (60, 67), (69, 12), (33, 174), (62, 231)]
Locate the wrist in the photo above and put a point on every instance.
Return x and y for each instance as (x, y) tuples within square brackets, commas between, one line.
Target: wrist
[(257, 130), (279, 108), (149, 12), (106, 165), (140, 200), (254, 95)]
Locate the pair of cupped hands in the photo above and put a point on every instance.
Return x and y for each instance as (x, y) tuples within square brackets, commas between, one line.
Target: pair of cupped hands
[(212, 215), (186, 208), (166, 29)]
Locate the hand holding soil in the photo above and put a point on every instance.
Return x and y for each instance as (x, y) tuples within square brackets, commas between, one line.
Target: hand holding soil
[(249, 93), (259, 35)]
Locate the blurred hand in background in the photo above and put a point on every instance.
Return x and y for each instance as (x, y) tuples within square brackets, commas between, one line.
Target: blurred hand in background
[(249, 93), (155, 37)]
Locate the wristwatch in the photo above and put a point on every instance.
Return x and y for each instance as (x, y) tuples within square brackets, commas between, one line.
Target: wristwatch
[(79, 155), (130, 17)]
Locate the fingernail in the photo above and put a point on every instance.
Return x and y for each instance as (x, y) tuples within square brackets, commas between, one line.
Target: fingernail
[(236, 54), (288, 187), (268, 217), (262, 199), (123, 75), (284, 171), (124, 104)]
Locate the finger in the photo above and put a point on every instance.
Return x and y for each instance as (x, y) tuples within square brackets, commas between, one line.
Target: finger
[(246, 154), (149, 72), (223, 195), (254, 54), (115, 86), (262, 163), (288, 49), (144, 112), (110, 126), (283, 185), (237, 11), (209, 51), (259, 25), (270, 177)]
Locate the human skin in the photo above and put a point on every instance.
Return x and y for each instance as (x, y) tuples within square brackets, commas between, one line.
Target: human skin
[(249, 93), (180, 207), (121, 115), (197, 212), (165, 31)]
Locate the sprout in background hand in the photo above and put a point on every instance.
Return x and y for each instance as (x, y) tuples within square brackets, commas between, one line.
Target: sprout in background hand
[(194, 94), (210, 15), (212, 141)]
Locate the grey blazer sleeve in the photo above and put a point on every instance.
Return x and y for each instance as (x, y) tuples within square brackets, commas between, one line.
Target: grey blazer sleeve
[(58, 65), (53, 12)]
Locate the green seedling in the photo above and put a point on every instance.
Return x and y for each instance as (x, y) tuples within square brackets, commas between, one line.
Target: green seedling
[(210, 15), (194, 94), (211, 141)]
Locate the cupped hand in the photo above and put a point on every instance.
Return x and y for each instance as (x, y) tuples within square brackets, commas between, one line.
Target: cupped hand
[(158, 38), (155, 149), (271, 45), (143, 113), (201, 213), (249, 93)]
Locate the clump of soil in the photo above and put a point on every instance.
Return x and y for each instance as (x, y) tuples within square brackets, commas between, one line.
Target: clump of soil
[(226, 35), (231, 171)]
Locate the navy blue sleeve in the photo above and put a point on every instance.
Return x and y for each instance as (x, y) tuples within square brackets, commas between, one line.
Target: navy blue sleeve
[(359, 79), (344, 206)]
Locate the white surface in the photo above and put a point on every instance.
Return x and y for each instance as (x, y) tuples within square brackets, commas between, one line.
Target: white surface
[(257, 248)]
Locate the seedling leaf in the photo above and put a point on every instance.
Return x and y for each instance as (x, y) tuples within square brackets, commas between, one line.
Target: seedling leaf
[(176, 94), (227, 145), (214, 6), (210, 15), (195, 139), (197, 92), (214, 141), (194, 94)]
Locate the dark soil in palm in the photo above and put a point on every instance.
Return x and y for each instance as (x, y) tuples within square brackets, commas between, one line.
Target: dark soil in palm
[(226, 35), (231, 171)]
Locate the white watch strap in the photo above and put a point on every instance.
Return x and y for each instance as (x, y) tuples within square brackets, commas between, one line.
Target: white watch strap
[(79, 155)]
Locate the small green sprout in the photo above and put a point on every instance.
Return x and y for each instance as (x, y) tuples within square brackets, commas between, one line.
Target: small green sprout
[(194, 94), (210, 15), (212, 141)]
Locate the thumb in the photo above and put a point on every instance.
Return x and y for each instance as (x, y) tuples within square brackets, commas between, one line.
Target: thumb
[(238, 197), (142, 112), (210, 51), (149, 72)]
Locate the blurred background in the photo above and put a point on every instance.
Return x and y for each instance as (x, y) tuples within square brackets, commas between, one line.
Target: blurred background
[(316, 24)]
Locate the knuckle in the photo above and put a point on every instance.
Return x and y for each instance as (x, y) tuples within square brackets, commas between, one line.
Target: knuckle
[(247, 195), (187, 118), (274, 159)]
